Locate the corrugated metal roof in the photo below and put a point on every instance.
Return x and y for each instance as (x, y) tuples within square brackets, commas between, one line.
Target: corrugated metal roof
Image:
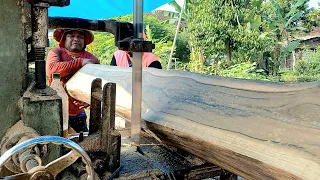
[(313, 34)]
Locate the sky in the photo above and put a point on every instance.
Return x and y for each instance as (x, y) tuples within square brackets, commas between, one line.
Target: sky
[(314, 3)]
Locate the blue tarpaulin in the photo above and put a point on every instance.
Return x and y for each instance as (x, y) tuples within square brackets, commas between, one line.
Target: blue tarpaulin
[(101, 9)]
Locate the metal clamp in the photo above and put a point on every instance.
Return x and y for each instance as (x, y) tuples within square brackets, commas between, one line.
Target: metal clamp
[(135, 45)]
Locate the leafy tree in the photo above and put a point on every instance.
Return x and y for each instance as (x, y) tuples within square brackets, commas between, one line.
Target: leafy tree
[(280, 27), (267, 7), (210, 31), (312, 19), (103, 47), (226, 32)]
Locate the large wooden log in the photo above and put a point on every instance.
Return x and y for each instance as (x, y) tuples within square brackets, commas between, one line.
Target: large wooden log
[(256, 129)]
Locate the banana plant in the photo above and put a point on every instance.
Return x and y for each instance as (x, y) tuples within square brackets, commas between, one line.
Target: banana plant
[(282, 28)]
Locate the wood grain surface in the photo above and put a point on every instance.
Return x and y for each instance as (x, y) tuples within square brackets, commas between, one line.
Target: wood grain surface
[(256, 129)]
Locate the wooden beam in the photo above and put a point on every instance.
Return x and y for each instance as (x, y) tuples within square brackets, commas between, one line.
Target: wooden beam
[(256, 129)]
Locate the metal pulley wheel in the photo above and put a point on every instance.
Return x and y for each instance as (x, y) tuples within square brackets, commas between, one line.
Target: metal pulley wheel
[(50, 171)]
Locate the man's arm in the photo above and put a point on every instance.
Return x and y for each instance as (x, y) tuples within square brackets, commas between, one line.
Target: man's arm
[(55, 64)]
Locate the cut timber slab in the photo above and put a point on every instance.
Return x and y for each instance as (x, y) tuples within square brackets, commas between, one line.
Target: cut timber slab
[(256, 129)]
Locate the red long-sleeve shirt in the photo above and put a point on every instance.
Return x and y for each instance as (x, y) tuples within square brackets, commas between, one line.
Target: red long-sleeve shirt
[(59, 60)]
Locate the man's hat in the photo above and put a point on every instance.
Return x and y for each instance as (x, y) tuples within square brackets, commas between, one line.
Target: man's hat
[(59, 33)]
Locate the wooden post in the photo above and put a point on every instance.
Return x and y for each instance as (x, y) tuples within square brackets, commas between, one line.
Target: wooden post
[(111, 138), (108, 116), (95, 110), (293, 59)]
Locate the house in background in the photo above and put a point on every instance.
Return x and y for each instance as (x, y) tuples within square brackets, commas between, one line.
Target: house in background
[(309, 41)]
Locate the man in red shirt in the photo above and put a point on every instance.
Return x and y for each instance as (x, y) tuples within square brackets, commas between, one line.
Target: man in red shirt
[(67, 59)]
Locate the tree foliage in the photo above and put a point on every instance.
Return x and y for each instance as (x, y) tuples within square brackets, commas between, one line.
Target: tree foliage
[(280, 26), (312, 19), (242, 30), (103, 47), (227, 33)]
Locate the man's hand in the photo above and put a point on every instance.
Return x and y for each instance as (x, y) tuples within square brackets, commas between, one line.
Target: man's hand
[(81, 104), (86, 61)]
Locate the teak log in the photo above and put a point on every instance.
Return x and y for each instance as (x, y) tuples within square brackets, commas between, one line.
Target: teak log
[(256, 129)]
